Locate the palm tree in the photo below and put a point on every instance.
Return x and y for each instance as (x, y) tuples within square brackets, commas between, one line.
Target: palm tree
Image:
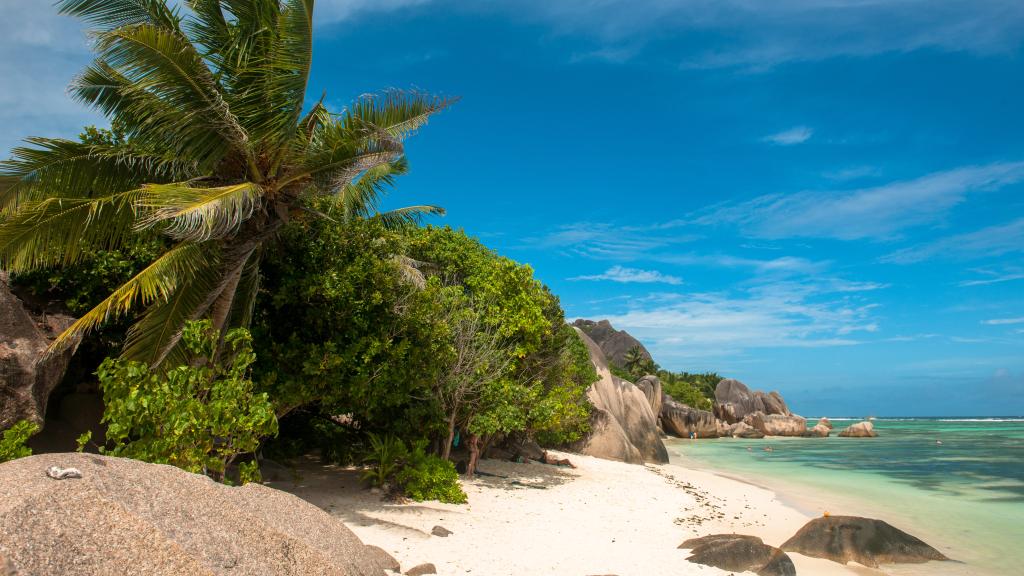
[(634, 361), (219, 152)]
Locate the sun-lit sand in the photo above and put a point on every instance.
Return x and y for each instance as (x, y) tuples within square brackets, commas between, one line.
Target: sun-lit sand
[(603, 517)]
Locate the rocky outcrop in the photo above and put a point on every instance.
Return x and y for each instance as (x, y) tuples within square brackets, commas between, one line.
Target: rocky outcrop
[(622, 425), (739, 553), (777, 424), (681, 420), (613, 343), (163, 521), (744, 430), (824, 422), (650, 385), (863, 540), (863, 429), (734, 401), (818, 431), (27, 377)]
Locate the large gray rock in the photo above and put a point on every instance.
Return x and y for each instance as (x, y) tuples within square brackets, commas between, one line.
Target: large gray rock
[(613, 343), (622, 425), (777, 424), (734, 401), (680, 419), (863, 429), (27, 377), (864, 540), (162, 521), (744, 430), (736, 552)]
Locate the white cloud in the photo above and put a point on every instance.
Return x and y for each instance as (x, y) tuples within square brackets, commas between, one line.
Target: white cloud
[(632, 275), (795, 135), (1004, 321), (875, 213), (992, 241), (40, 53), (994, 277), (330, 11)]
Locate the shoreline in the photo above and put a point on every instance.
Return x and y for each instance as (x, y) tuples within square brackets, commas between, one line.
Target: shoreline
[(604, 517)]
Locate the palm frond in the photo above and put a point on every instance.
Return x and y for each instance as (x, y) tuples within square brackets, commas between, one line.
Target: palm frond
[(182, 266), (155, 338), (167, 65), (110, 14), (198, 214), (245, 293), (61, 230), (150, 122), (395, 114), (408, 216), (72, 169)]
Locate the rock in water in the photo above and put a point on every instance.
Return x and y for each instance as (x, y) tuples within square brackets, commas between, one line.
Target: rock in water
[(863, 429), (622, 425), (680, 419), (825, 422), (27, 377), (744, 430), (734, 401), (819, 431), (777, 424), (864, 540), (163, 521), (740, 553)]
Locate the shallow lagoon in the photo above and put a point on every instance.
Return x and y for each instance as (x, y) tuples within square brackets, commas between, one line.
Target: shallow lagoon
[(964, 496)]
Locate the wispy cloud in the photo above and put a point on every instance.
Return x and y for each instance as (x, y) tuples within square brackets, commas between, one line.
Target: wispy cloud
[(1008, 274), (987, 242), (1003, 321), (632, 275), (757, 36), (874, 213), (795, 135)]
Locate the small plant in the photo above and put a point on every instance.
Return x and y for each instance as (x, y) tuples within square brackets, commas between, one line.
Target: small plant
[(386, 457), (198, 417), (12, 444)]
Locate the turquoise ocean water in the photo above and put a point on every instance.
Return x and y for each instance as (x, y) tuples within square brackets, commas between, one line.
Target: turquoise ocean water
[(964, 496)]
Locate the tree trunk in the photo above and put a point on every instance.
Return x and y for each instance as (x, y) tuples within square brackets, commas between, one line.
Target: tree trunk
[(474, 454), (447, 451)]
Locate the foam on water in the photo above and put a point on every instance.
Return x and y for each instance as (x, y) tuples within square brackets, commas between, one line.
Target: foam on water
[(964, 496)]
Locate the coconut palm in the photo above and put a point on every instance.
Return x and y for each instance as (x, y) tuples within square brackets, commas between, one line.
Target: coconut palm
[(219, 151), (635, 361)]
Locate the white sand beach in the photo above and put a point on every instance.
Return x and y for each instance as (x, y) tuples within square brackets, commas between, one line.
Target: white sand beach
[(603, 517)]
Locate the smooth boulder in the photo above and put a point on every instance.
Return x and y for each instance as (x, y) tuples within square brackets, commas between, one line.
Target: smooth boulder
[(863, 429), (744, 430), (825, 422), (739, 553), (622, 425), (734, 401), (681, 420), (863, 540), (163, 521), (650, 385), (818, 431), (777, 424)]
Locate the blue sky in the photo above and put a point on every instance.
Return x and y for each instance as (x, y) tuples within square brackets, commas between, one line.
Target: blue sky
[(823, 198)]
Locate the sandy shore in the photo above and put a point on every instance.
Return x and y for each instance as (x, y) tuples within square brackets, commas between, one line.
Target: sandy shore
[(601, 518)]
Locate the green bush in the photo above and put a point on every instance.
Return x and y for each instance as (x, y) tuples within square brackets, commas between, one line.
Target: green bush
[(12, 444), (199, 417), (411, 471), (431, 478)]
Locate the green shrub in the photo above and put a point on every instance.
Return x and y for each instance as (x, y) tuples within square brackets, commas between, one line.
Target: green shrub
[(199, 417), (431, 478), (12, 444), (411, 471)]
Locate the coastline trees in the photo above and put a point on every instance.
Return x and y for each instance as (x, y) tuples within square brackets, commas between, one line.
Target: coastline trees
[(218, 153)]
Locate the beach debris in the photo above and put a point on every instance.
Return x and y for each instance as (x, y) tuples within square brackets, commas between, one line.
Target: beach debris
[(58, 473), (740, 553), (859, 430), (864, 540), (440, 531), (383, 559), (422, 570)]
